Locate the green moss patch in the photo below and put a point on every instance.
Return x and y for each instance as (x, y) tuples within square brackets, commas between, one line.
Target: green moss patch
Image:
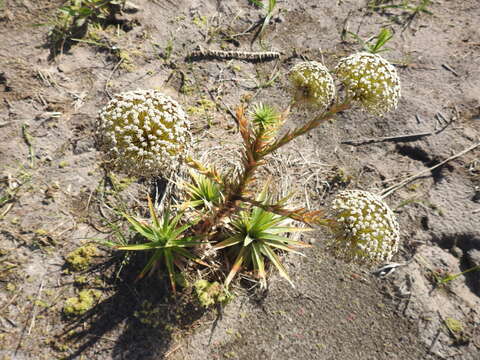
[(210, 293), (80, 258), (80, 304)]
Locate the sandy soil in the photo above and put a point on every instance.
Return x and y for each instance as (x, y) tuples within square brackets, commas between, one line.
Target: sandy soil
[(48, 159)]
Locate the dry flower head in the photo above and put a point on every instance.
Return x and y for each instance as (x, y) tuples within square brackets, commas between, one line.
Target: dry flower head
[(370, 80), (365, 229), (312, 85), (144, 131)]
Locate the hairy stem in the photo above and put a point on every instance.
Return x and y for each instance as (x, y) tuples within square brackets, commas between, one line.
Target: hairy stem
[(255, 149), (312, 124)]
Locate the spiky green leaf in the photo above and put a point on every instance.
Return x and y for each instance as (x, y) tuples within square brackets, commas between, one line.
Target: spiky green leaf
[(232, 240), (276, 261)]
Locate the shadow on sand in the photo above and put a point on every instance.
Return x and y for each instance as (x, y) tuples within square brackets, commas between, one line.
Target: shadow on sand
[(137, 320)]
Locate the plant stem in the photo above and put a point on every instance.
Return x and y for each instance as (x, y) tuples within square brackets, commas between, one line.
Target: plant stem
[(254, 153), (312, 124)]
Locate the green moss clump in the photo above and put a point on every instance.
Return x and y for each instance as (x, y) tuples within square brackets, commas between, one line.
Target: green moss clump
[(203, 107), (80, 304), (454, 325), (80, 280), (210, 293), (79, 259), (200, 21)]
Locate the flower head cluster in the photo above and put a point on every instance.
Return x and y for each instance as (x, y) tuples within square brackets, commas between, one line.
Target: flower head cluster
[(144, 131), (365, 228), (312, 85), (371, 80)]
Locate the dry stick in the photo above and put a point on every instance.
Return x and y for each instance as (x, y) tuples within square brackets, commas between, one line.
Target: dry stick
[(32, 322), (232, 114), (449, 68), (10, 301), (34, 311), (245, 32), (406, 137), (387, 138), (434, 341), (8, 208), (401, 184), (110, 76), (306, 128), (172, 351)]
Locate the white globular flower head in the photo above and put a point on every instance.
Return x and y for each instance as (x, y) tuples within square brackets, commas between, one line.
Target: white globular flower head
[(371, 80), (312, 85), (365, 229), (144, 131)]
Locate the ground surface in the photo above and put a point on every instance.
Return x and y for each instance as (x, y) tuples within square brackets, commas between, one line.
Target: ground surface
[(49, 162)]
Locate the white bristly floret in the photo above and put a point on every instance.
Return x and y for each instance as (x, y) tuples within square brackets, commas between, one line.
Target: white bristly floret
[(312, 85), (144, 131), (365, 228), (370, 80)]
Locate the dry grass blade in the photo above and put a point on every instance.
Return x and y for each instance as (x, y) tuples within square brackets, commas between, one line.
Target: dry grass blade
[(237, 265)]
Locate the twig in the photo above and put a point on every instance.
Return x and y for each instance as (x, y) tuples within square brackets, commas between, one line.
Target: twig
[(32, 322), (34, 311), (447, 67), (400, 138), (245, 32), (110, 76), (434, 341), (10, 301), (182, 78), (408, 137), (393, 188), (440, 117), (172, 351), (9, 207), (230, 111)]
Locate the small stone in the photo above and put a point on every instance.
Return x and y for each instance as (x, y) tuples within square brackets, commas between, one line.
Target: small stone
[(476, 195), (470, 133), (457, 252), (474, 257)]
